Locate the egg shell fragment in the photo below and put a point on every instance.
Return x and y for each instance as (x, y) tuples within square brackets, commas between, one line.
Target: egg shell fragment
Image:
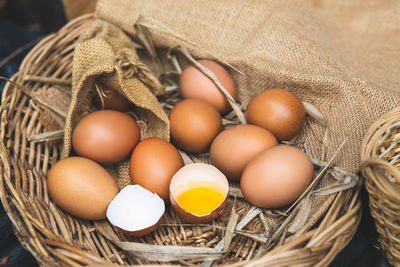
[(193, 83), (276, 177), (105, 136), (198, 175), (81, 187), (234, 147), (135, 210)]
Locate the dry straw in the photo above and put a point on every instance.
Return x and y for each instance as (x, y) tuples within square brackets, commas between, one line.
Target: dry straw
[(380, 153), (310, 233)]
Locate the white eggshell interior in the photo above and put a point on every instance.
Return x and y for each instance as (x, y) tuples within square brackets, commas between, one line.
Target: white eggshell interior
[(135, 208), (198, 175)]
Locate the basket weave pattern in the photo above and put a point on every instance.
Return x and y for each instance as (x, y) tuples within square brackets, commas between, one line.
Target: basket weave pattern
[(380, 169), (57, 239)]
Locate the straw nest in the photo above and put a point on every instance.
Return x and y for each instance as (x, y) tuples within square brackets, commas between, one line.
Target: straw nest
[(243, 235)]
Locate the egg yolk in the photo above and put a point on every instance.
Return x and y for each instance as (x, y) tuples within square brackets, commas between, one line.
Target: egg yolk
[(200, 200)]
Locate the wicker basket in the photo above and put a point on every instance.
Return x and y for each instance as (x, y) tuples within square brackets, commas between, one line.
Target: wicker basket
[(380, 169), (55, 238)]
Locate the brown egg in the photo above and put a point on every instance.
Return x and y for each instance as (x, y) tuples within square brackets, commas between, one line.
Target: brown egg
[(277, 110), (81, 187), (276, 177), (234, 147), (195, 84), (153, 163), (194, 125), (108, 98), (199, 192), (106, 136)]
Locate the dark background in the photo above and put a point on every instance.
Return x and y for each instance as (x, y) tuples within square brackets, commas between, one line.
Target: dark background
[(24, 22)]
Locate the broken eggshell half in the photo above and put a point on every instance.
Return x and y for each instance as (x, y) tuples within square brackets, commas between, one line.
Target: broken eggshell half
[(135, 211), (198, 175)]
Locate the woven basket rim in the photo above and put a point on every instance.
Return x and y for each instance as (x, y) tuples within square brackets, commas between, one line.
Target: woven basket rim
[(316, 247), (370, 160), (384, 195)]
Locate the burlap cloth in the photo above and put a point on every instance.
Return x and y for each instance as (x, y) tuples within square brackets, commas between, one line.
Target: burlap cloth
[(341, 56)]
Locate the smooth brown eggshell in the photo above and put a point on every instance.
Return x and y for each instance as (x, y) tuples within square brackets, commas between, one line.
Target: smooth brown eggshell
[(153, 163), (192, 218), (277, 110), (81, 187), (111, 99), (197, 175), (194, 125), (195, 84), (276, 177), (105, 136), (142, 232), (234, 147)]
